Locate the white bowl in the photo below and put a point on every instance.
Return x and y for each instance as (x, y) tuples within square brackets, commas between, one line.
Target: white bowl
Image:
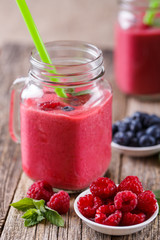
[(109, 229), (136, 151)]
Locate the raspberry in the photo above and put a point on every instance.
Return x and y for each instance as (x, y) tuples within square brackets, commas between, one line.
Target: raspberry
[(125, 201), (113, 220), (106, 210), (59, 202), (48, 106), (88, 205), (132, 219), (103, 188), (131, 183), (108, 201), (147, 202), (40, 190)]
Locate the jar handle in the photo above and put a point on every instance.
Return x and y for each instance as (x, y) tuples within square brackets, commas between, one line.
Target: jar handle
[(14, 117)]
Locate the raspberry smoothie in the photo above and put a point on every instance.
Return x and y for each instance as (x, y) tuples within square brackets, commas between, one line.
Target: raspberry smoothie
[(137, 59), (69, 147)]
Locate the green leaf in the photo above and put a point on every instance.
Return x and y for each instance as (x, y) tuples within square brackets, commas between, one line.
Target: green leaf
[(32, 217), (39, 204), (24, 204), (73, 93), (29, 223), (81, 93), (31, 213), (157, 195), (40, 218), (149, 17), (54, 217)]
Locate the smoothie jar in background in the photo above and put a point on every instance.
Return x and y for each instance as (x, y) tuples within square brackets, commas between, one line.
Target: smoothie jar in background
[(137, 49), (64, 140)]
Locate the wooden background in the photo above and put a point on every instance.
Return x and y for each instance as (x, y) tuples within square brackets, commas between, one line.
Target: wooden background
[(14, 184)]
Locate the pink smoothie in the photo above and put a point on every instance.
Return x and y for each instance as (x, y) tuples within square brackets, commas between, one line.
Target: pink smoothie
[(137, 60), (67, 149)]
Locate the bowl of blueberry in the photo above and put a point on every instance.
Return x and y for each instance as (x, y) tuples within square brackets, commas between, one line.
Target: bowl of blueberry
[(137, 135)]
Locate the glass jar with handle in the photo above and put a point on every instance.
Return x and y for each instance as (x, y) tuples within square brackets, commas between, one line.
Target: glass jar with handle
[(137, 48), (65, 140)]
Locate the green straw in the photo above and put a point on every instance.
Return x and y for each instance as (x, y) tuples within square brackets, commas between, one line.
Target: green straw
[(38, 41), (151, 12)]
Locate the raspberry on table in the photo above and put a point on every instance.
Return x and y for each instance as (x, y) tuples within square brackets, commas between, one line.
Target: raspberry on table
[(125, 201), (131, 183), (112, 220), (59, 202), (40, 190), (88, 205), (147, 202), (132, 219), (103, 187)]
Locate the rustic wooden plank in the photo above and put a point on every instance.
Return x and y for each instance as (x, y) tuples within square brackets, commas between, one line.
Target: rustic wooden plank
[(119, 167), (11, 63), (14, 228)]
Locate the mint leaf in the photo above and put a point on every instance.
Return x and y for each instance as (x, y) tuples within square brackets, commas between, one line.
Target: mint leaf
[(30, 222), (30, 213), (157, 195), (150, 14), (39, 204), (73, 93), (24, 204), (40, 218), (32, 217), (36, 211), (54, 217)]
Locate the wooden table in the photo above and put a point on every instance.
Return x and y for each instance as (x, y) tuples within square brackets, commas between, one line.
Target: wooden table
[(14, 184)]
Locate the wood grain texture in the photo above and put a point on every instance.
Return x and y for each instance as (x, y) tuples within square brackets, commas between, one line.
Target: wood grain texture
[(11, 64), (14, 184)]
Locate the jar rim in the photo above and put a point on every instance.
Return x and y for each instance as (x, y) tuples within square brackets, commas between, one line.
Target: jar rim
[(138, 3), (66, 43), (76, 59)]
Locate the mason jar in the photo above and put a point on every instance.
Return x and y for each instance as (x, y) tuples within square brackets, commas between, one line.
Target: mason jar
[(61, 114), (137, 48)]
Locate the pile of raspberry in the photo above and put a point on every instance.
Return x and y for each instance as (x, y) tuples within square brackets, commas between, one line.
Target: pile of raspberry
[(125, 205), (57, 201)]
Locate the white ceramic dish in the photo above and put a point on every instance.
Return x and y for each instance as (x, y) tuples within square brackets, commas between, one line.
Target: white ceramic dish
[(136, 151), (118, 231)]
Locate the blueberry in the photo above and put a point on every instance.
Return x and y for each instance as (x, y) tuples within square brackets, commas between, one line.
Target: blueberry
[(151, 120), (68, 108), (123, 126), (152, 130), (157, 133), (134, 142), (127, 119), (136, 115), (130, 134), (158, 141), (146, 141), (121, 138), (114, 128), (135, 126), (140, 133), (139, 116)]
